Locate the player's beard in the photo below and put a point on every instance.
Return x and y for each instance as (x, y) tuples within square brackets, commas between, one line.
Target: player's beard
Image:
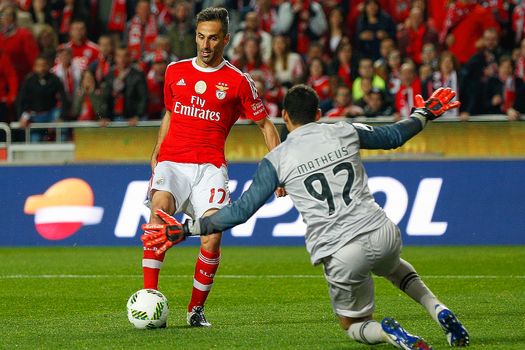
[(209, 57)]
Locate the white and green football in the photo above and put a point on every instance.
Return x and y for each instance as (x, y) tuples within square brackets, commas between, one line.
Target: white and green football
[(148, 308)]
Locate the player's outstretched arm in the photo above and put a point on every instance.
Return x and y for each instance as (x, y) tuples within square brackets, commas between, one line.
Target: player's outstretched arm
[(395, 135), (265, 181)]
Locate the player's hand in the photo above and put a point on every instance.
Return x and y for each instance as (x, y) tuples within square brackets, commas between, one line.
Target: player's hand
[(163, 236), (280, 192), (438, 103)]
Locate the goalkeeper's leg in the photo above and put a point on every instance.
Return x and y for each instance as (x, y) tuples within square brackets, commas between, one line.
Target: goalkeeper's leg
[(407, 280), (151, 263)]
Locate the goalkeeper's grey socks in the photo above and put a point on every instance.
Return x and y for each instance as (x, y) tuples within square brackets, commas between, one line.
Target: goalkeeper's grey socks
[(368, 332), (406, 278)]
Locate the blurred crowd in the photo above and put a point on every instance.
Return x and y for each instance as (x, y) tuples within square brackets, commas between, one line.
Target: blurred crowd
[(105, 60)]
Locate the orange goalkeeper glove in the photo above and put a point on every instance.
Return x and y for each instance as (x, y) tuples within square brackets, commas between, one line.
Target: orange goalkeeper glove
[(438, 103), (164, 236)]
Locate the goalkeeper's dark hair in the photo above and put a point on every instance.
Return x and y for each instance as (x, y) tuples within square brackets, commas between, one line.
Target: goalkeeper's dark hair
[(219, 14), (301, 102)]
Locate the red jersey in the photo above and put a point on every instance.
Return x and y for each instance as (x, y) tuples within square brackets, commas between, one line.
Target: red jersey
[(204, 105), (87, 51)]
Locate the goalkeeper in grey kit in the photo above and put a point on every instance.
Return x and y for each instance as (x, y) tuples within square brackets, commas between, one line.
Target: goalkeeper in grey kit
[(347, 231)]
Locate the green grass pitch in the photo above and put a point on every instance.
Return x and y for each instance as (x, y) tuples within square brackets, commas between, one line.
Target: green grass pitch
[(263, 298)]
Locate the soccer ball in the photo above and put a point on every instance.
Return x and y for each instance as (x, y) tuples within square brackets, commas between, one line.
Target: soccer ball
[(148, 308)]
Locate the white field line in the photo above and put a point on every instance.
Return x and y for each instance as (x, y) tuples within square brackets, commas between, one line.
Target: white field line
[(80, 276)]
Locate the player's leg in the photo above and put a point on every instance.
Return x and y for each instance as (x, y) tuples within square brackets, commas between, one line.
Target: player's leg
[(169, 186), (403, 275), (406, 279), (205, 268), (383, 248), (351, 290), (209, 195), (152, 263)]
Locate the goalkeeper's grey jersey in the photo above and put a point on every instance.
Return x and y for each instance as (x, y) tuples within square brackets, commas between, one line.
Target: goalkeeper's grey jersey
[(321, 168)]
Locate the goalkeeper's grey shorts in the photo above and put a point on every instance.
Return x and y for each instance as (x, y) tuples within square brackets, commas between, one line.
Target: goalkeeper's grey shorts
[(348, 271)]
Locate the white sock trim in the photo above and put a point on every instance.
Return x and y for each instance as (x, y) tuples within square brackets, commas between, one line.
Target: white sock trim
[(202, 287), (152, 263)]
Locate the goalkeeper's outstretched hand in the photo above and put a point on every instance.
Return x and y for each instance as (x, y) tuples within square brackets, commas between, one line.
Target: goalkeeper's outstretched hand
[(438, 103), (163, 236)]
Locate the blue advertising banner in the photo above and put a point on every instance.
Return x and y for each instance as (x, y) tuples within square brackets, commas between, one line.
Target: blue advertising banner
[(433, 202)]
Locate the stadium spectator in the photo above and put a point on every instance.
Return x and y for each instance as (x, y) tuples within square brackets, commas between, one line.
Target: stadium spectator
[(251, 29), (83, 49), (477, 71), (250, 60), (41, 15), (343, 106), (337, 32), (320, 82), (315, 50), (374, 104), (89, 102), (166, 15), (465, 22), (425, 72), (399, 10), (504, 94), (267, 15), (344, 64), (126, 90), (373, 26), (518, 22), (162, 44), (41, 99), (155, 82), (47, 41), (393, 68), (429, 56), (112, 15), (70, 11), (446, 76), (182, 32), (366, 71), (287, 66), (141, 32), (520, 61), (69, 72), (404, 99), (303, 21), (17, 43), (386, 46), (271, 107), (8, 87), (414, 35), (101, 66)]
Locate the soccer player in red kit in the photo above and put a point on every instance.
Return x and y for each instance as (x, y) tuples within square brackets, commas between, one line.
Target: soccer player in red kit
[(204, 96)]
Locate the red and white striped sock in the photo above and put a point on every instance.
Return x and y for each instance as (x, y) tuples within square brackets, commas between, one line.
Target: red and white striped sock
[(205, 268), (151, 265)]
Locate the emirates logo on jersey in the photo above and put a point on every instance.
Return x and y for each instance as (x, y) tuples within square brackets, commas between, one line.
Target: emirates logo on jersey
[(220, 93)]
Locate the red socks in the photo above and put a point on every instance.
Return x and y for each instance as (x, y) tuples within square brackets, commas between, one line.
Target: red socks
[(151, 265), (205, 268)]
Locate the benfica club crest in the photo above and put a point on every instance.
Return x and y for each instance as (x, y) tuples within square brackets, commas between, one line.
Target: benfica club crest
[(220, 93)]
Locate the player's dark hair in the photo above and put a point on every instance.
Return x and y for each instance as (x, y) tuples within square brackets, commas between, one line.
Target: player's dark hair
[(219, 14), (301, 102)]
